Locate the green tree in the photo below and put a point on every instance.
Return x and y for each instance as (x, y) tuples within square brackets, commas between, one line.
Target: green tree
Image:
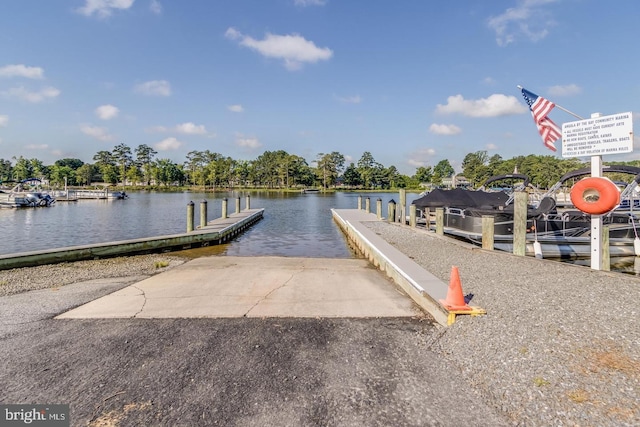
[(144, 156), (351, 176), (195, 165), (475, 167), (423, 174), (166, 172), (328, 167), (122, 156), (442, 170), (6, 170), (63, 174), (23, 169), (370, 171), (84, 174), (72, 163)]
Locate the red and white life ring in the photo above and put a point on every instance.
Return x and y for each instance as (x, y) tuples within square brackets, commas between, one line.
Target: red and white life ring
[(595, 195)]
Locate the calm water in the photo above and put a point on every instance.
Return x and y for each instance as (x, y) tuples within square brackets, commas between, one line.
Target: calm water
[(294, 224)]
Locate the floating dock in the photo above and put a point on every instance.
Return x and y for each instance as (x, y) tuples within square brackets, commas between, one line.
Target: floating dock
[(215, 232)]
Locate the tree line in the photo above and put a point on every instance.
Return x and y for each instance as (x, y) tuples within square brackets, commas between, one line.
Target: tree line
[(274, 170)]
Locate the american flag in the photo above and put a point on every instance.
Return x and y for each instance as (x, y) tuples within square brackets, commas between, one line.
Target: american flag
[(540, 108)]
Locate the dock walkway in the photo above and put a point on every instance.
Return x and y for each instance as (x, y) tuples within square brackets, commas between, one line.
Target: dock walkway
[(217, 231)]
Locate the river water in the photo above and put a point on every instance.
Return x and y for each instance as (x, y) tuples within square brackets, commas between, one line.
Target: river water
[(294, 224)]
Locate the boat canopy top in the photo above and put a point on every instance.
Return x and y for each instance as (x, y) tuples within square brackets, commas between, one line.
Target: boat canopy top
[(461, 198)]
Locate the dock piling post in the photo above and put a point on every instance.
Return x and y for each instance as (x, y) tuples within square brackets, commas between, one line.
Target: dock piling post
[(359, 202), (412, 216), (403, 206), (606, 257), (379, 208), (248, 202), (190, 216), (203, 213), (367, 204), (520, 223), (391, 211), (440, 221), (224, 207), (238, 205), (488, 230)]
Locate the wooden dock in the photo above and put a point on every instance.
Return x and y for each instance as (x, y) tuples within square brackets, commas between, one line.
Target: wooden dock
[(215, 232)]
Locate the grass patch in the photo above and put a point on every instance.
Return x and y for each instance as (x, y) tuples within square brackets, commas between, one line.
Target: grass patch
[(617, 361), (161, 264), (578, 396), (539, 382)]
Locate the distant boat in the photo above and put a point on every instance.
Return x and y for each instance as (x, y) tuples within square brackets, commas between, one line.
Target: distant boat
[(26, 194), (310, 190)]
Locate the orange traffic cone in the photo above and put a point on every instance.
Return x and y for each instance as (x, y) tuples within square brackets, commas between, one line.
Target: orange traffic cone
[(455, 298)]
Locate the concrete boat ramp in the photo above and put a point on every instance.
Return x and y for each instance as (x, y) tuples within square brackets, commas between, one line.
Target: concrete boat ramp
[(222, 287)]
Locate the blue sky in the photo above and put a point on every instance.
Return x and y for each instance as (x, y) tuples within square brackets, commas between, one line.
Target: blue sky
[(412, 82)]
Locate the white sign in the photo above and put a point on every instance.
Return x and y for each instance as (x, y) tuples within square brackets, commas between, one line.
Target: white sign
[(598, 136)]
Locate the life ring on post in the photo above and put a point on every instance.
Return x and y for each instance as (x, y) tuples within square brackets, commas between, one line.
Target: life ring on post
[(595, 195)]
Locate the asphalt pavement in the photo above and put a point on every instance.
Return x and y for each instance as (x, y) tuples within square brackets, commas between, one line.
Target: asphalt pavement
[(227, 371)]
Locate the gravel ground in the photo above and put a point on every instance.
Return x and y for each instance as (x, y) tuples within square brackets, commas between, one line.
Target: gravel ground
[(51, 276), (559, 344)]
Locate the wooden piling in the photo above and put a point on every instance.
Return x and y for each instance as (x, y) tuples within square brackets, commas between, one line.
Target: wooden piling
[(412, 216), (190, 215), (203, 213), (367, 204), (238, 204), (440, 221), (391, 211), (403, 206), (359, 203), (248, 202), (224, 208), (606, 257), (520, 223), (379, 208), (488, 230)]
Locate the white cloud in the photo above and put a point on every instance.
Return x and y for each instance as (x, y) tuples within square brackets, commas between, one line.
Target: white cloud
[(33, 97), (251, 143), (350, 99), (444, 129), (293, 49), (103, 8), (237, 108), (168, 144), (191, 129), (526, 20), (494, 106), (96, 132), (36, 146), (421, 157), (155, 7), (491, 146), (184, 128), (4, 120), (305, 3), (154, 87), (20, 70), (107, 112), (567, 90)]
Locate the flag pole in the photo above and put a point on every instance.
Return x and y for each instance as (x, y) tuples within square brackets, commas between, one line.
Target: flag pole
[(561, 108)]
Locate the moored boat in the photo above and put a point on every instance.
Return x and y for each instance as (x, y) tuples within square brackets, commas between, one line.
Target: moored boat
[(27, 193)]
